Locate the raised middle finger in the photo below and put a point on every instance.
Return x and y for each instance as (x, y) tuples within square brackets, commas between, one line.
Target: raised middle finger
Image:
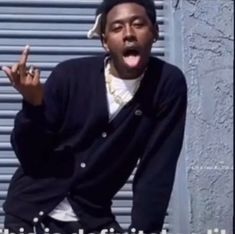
[(22, 63)]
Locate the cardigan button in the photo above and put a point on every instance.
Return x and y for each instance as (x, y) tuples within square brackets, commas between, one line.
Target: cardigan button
[(104, 134), (35, 220), (133, 230), (111, 230), (83, 165), (47, 230), (138, 112), (41, 213)]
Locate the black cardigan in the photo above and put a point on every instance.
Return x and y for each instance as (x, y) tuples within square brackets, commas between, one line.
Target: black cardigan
[(68, 147)]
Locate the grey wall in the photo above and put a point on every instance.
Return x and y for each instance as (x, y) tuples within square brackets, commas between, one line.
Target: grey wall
[(206, 55)]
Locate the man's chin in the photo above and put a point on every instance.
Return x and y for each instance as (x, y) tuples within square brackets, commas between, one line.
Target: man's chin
[(131, 72)]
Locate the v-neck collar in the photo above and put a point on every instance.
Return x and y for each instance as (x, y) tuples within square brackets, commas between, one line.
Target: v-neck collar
[(130, 106)]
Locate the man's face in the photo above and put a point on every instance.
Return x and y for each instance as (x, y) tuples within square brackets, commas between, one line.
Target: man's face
[(128, 38)]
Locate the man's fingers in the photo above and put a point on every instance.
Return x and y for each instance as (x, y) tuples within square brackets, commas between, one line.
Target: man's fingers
[(22, 63), (15, 72), (8, 72), (14, 69), (33, 76), (24, 55), (36, 76)]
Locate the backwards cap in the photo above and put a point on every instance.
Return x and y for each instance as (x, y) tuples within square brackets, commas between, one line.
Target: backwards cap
[(107, 5)]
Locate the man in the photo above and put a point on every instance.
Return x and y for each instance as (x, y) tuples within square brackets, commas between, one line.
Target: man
[(79, 136)]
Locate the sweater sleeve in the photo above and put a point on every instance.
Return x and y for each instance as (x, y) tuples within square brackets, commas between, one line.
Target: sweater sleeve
[(35, 127), (154, 178)]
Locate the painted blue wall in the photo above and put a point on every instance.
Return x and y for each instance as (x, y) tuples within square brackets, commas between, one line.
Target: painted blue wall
[(207, 36)]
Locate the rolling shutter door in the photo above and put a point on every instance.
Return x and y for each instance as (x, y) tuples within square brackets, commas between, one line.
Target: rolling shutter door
[(56, 31)]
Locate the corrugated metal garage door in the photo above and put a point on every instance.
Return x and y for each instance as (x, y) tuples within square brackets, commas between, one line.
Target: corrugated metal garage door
[(56, 31)]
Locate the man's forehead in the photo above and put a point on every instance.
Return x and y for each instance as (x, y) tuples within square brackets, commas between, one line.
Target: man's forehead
[(123, 11)]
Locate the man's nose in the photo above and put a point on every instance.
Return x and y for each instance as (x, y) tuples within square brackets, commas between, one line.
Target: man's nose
[(129, 34)]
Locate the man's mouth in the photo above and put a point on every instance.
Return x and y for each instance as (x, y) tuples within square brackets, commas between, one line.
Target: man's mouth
[(131, 57)]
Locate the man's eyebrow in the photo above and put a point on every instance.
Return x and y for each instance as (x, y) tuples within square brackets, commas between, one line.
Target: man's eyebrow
[(118, 21), (127, 19)]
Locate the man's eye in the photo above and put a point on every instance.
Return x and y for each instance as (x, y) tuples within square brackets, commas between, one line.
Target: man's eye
[(116, 28), (138, 24)]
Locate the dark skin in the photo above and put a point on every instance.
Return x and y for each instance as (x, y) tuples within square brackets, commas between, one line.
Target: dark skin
[(128, 32), (27, 84)]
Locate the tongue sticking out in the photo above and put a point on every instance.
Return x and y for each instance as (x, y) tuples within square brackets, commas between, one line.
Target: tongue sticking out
[(132, 60)]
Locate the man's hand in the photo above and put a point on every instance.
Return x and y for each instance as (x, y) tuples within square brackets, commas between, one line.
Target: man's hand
[(27, 82)]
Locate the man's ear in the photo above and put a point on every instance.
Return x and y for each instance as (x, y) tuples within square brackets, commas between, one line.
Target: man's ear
[(104, 42), (156, 32)]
